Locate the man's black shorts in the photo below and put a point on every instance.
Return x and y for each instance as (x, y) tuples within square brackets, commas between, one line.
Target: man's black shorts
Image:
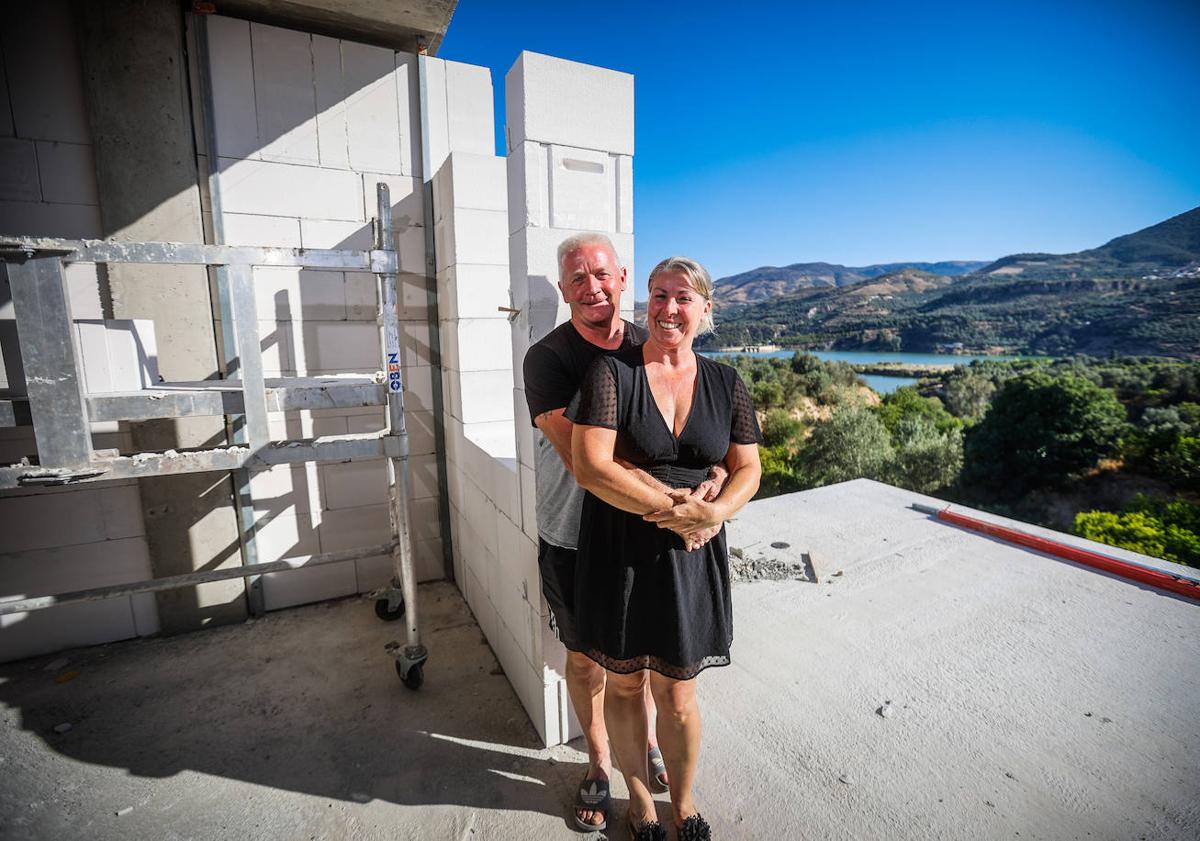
[(558, 586)]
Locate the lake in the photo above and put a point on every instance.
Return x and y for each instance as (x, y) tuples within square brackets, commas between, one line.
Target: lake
[(880, 384)]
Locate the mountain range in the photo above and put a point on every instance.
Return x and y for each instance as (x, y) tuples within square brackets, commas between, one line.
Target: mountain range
[(1137, 294)]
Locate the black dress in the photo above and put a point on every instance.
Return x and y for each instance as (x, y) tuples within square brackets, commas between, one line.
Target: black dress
[(642, 600)]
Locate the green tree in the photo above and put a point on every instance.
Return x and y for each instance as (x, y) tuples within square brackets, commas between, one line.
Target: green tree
[(907, 403), (780, 428), (926, 459), (767, 393), (852, 444), (968, 396), (1039, 431)]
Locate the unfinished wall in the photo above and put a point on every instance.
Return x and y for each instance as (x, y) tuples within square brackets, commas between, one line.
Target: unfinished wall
[(305, 127), (52, 541), (570, 169)]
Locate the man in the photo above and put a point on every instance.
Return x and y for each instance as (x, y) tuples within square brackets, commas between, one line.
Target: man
[(591, 281)]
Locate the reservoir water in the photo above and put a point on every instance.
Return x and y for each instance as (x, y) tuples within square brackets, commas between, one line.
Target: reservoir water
[(880, 384)]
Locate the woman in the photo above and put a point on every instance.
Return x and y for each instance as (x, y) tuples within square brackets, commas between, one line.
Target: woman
[(648, 608)]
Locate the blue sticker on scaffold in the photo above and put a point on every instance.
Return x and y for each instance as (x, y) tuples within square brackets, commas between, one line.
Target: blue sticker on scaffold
[(394, 381)]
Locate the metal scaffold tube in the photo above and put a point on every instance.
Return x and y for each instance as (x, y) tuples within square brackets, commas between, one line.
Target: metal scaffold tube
[(410, 658)]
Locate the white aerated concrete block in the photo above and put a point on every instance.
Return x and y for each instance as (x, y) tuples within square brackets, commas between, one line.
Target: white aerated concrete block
[(353, 484), (373, 97), (117, 354), (404, 192), (304, 586), (352, 528), (506, 488), (284, 489), (528, 502), (329, 95), (437, 139), (420, 433), (283, 94), (582, 189), (255, 231), (232, 68), (472, 182), (337, 346), (69, 221), (624, 167), (19, 171), (473, 291), (423, 476), (469, 111), (472, 236), (523, 428), (285, 536), (335, 233), (541, 90), (414, 344), (483, 344), (286, 293), (529, 187), (269, 188), (486, 396)]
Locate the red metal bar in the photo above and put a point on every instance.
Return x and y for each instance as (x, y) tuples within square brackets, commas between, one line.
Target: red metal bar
[(1134, 572)]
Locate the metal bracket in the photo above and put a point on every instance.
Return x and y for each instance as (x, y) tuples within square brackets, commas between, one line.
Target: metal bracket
[(383, 262), (396, 446)]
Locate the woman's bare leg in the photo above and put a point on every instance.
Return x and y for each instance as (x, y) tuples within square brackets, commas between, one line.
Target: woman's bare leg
[(625, 715), (679, 738)]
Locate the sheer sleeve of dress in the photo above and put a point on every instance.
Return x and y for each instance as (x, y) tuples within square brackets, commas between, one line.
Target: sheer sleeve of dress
[(595, 404), (743, 429)]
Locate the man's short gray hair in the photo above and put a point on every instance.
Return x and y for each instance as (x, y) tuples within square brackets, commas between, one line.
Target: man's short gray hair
[(698, 278), (577, 241)]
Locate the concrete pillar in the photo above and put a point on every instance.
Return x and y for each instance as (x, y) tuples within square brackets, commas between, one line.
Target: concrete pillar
[(137, 103), (570, 169)]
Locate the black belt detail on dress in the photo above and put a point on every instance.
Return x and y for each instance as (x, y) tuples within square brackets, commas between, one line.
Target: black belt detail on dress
[(675, 476)]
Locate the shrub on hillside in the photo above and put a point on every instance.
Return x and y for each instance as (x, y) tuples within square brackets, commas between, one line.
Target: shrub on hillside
[(1167, 529), (780, 428), (852, 444)]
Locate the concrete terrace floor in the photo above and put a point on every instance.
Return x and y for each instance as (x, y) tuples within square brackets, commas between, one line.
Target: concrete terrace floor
[(1028, 698)]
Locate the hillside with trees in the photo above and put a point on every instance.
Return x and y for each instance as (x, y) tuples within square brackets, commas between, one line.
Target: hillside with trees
[(1136, 295)]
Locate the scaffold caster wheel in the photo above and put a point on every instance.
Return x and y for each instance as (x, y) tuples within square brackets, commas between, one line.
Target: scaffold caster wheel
[(384, 612), (415, 676)]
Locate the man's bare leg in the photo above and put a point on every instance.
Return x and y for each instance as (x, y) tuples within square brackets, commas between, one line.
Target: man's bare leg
[(585, 685), (652, 737)]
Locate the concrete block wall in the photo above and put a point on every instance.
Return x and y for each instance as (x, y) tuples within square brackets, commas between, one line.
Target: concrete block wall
[(566, 174), (54, 541), (305, 127)]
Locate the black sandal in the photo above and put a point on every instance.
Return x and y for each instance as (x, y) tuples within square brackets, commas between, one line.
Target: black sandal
[(593, 796), (695, 828), (647, 831)]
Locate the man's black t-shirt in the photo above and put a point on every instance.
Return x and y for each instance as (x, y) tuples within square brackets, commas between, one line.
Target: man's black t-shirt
[(555, 366)]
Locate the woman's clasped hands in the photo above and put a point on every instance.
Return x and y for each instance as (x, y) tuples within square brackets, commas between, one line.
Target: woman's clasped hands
[(691, 516)]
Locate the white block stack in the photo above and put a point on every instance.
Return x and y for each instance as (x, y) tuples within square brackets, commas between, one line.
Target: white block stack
[(570, 169)]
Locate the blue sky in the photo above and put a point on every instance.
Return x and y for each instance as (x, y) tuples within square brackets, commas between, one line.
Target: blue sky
[(776, 133)]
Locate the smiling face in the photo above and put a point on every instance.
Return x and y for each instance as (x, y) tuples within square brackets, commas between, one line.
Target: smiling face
[(675, 310), (591, 281)]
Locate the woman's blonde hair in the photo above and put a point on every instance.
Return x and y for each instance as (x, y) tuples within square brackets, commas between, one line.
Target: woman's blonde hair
[(698, 279)]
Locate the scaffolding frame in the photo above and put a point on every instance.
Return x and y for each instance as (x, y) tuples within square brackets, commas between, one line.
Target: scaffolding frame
[(61, 411)]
